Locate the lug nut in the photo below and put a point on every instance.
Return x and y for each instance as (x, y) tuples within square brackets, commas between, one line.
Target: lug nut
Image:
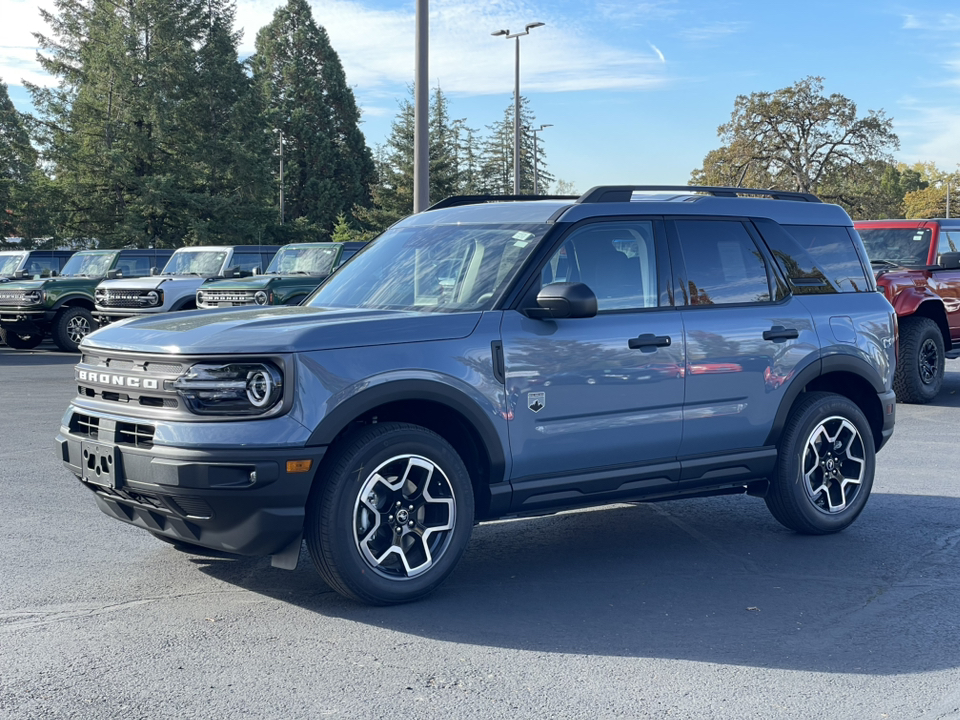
[(411, 523), (389, 518)]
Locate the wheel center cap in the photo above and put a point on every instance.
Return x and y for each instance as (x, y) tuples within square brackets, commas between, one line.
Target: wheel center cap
[(402, 516), (830, 464)]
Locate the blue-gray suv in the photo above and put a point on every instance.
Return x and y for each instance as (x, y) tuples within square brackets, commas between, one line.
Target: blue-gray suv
[(502, 359)]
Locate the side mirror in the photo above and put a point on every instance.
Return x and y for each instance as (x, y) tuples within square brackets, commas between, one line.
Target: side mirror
[(564, 300), (950, 261), (232, 271), (154, 271), (115, 273), (257, 271), (22, 274), (54, 273)]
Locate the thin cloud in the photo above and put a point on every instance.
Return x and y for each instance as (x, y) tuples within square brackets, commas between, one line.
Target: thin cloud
[(657, 51), (945, 22), (624, 10), (714, 32)]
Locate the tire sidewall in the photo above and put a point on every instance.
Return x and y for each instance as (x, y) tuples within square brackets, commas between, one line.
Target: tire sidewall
[(791, 467), (60, 336), (15, 341), (922, 329), (338, 506)]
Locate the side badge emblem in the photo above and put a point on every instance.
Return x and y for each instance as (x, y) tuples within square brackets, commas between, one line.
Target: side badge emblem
[(536, 401)]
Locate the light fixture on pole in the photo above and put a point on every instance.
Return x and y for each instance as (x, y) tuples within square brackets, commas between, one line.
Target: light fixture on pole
[(516, 99), (278, 130), (536, 173)]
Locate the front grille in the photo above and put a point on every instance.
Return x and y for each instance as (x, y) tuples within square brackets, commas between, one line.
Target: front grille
[(141, 385), (224, 296), (86, 425), (13, 297), (123, 298), (135, 434)]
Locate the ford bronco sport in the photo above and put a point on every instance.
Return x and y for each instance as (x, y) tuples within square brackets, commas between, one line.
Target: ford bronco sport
[(503, 358), (917, 265), (63, 306), (175, 288), (294, 273)]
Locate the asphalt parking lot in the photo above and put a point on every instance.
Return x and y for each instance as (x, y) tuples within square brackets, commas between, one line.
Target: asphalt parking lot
[(697, 609)]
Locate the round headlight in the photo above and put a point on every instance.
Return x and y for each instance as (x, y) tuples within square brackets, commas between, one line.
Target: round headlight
[(33, 297), (259, 388), (153, 297), (199, 296), (261, 297)]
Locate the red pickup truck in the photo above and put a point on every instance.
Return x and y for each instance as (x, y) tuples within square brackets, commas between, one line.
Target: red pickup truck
[(917, 265)]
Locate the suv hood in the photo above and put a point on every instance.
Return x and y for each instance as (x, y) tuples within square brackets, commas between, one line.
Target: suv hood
[(278, 330), (151, 282), (254, 282), (61, 283)]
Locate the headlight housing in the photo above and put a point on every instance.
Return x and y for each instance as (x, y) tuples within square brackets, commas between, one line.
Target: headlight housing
[(241, 388), (34, 297), (260, 297), (152, 298)]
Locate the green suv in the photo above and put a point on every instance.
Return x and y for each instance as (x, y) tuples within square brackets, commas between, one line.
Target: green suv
[(294, 273), (62, 306)]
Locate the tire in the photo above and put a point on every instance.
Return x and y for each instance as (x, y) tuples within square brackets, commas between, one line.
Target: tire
[(71, 326), (361, 505), (921, 361), (17, 341), (825, 465)]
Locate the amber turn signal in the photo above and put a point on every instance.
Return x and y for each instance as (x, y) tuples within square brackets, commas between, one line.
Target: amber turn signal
[(299, 466)]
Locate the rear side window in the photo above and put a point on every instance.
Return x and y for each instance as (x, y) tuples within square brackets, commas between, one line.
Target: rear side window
[(815, 258), (724, 265)]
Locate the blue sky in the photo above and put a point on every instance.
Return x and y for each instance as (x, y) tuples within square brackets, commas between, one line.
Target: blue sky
[(634, 90)]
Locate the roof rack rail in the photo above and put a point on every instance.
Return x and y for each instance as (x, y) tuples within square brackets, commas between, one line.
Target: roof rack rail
[(457, 200), (623, 193)]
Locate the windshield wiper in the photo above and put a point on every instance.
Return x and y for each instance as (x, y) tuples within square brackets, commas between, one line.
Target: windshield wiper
[(886, 263)]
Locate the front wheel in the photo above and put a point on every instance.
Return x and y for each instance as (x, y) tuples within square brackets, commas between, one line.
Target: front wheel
[(71, 326), (921, 361), (825, 466), (391, 516), (18, 341)]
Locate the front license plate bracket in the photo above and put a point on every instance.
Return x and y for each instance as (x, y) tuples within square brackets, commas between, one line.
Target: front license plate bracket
[(100, 464)]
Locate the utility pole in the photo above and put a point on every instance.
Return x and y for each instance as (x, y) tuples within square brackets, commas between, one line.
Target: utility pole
[(278, 130), (536, 172), (421, 112)]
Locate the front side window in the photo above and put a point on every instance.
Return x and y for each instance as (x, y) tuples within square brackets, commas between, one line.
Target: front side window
[(433, 268), (897, 245), (949, 242), (617, 260), (206, 263), (89, 264), (724, 265), (10, 262), (303, 260), (247, 262), (134, 265)]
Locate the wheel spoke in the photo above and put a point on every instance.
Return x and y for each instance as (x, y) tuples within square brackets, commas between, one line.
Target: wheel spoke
[(833, 464)]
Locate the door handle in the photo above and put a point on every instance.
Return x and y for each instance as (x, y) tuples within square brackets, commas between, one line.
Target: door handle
[(648, 342), (778, 333)]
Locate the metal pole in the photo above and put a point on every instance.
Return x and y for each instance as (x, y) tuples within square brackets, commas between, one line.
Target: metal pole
[(421, 111), (281, 177), (948, 198), (536, 173), (516, 122)]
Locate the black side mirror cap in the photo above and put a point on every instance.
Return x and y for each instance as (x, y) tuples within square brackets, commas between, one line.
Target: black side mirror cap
[(950, 261), (115, 273), (22, 274), (564, 300)]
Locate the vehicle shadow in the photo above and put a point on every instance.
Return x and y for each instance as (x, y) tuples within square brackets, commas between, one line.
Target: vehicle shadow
[(39, 356), (707, 580)]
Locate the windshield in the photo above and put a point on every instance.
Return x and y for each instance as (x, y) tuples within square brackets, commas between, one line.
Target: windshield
[(310, 260), (438, 268), (89, 264), (10, 262), (195, 262), (901, 246)]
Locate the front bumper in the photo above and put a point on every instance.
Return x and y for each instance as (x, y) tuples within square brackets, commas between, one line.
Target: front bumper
[(105, 316), (238, 500)]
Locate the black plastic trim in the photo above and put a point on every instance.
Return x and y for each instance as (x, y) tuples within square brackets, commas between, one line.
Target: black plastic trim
[(623, 193)]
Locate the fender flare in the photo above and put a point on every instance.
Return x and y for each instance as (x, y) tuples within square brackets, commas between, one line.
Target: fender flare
[(910, 299), (416, 389), (817, 368), (73, 296)]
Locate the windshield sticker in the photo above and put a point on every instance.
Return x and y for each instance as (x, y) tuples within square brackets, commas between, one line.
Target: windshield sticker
[(522, 235), (536, 401)]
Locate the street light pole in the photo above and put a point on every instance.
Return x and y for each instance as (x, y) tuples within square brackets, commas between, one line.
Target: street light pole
[(421, 111), (278, 130), (536, 173), (516, 99)]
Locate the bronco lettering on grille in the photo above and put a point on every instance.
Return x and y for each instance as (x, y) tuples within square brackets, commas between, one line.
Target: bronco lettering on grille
[(118, 380)]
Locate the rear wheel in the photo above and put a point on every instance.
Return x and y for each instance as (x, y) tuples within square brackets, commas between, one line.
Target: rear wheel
[(921, 361), (19, 341), (825, 466), (391, 517), (71, 326)]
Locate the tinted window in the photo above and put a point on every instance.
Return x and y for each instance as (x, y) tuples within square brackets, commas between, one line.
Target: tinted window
[(134, 265), (247, 261), (833, 254), (949, 241), (723, 263), (615, 260)]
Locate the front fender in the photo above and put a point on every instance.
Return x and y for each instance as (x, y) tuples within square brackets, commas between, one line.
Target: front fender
[(909, 300)]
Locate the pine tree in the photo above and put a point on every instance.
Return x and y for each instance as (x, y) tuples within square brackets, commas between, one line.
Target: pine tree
[(18, 171), (497, 164), (328, 166), (145, 130)]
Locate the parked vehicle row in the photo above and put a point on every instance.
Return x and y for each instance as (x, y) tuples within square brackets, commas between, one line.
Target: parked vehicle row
[(497, 359), (65, 295)]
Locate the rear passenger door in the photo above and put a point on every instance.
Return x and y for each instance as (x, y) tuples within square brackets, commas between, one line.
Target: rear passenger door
[(745, 338)]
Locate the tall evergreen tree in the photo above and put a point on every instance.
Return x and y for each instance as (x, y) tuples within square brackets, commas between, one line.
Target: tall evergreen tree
[(497, 165), (145, 131), (328, 166), (18, 170)]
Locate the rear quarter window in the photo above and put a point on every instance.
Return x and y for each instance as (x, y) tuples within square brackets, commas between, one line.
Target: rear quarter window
[(816, 258)]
